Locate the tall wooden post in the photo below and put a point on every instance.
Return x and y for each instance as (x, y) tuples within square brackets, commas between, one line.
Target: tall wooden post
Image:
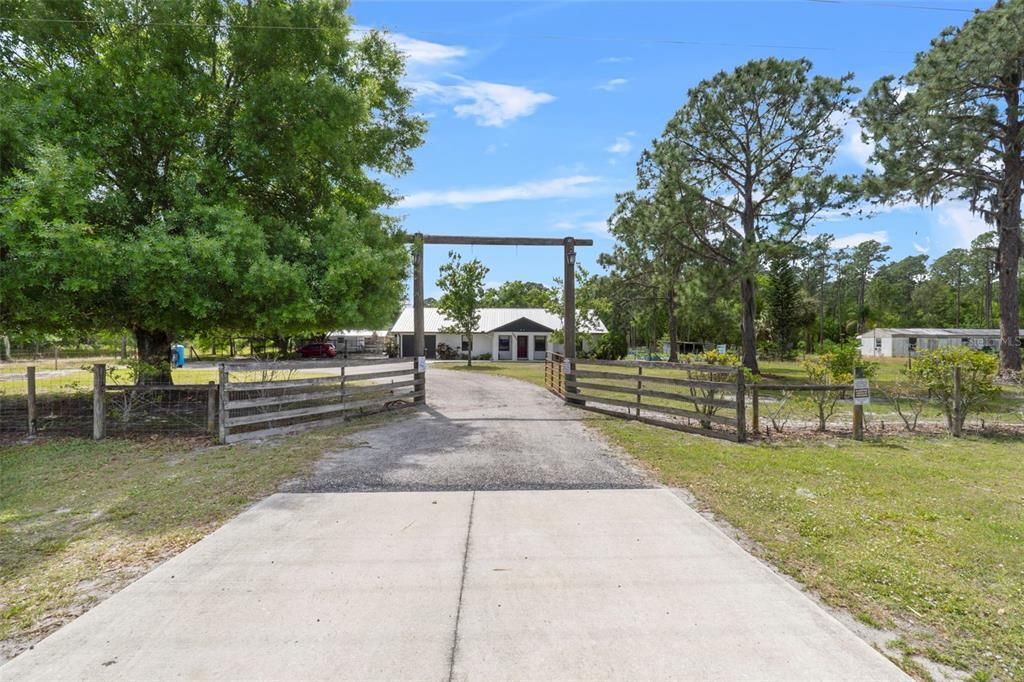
[(569, 314), (755, 411), (99, 407), (741, 406), (419, 345), (222, 403), (30, 378), (957, 406), (858, 410), (211, 408), (639, 387)]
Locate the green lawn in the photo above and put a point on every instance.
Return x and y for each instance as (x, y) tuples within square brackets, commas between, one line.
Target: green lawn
[(81, 518), (923, 535)]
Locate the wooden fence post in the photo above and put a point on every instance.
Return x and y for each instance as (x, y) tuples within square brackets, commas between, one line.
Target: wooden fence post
[(957, 408), (639, 387), (741, 406), (222, 403), (858, 410), (99, 406), (211, 408), (30, 378), (755, 411), (344, 399)]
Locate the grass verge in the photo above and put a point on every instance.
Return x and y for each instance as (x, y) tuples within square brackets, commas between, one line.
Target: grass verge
[(79, 519), (921, 535)]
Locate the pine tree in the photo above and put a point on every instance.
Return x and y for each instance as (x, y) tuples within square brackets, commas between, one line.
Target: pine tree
[(783, 306)]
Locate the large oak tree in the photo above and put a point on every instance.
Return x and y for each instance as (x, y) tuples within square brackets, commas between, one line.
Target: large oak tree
[(174, 166)]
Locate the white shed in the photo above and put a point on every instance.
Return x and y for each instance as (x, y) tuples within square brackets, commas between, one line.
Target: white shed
[(901, 342)]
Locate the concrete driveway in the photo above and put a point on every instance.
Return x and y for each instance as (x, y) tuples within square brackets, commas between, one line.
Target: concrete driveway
[(520, 546)]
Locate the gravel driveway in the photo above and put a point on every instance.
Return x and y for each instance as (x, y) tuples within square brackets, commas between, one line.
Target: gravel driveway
[(478, 432)]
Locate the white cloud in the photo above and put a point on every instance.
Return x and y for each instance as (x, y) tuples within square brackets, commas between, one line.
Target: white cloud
[(490, 104), (613, 84), (965, 225), (923, 250), (622, 145), (614, 60), (853, 147), (556, 188), (881, 236), (421, 51)]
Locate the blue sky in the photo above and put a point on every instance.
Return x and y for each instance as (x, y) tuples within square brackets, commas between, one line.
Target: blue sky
[(539, 110)]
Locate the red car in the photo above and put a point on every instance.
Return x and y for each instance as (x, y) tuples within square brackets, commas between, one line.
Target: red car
[(318, 350)]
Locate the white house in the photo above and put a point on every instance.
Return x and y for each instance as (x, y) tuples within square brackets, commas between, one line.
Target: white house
[(901, 342), (503, 333)]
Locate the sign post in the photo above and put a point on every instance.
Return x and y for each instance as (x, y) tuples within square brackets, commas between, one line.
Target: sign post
[(861, 397)]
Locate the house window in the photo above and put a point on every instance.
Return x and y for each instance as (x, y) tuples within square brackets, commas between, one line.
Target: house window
[(878, 344), (540, 344), (913, 343), (465, 343), (965, 341), (504, 344)]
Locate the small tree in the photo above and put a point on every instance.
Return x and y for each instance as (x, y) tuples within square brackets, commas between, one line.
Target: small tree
[(710, 393), (933, 371), (783, 306), (462, 286)]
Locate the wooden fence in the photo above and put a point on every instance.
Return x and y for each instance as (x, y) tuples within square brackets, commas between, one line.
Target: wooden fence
[(260, 399), (709, 400)]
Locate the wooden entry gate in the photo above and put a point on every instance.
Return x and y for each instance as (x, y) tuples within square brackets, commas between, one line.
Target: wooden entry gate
[(708, 400), (260, 399)]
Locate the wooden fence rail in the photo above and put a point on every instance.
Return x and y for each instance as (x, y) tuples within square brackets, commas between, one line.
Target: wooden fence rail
[(681, 396), (280, 402)]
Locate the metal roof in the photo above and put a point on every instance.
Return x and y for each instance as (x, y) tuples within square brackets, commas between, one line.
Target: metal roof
[(490, 319), (940, 332), (359, 332)]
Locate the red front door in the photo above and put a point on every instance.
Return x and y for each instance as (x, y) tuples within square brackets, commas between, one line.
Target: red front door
[(522, 348)]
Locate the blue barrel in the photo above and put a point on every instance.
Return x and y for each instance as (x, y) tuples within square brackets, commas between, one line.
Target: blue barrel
[(179, 355)]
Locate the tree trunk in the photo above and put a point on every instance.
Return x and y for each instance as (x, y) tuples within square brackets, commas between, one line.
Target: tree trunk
[(989, 274), (748, 332), (154, 348), (1009, 294), (5, 348), (282, 343), (861, 286), (1008, 222), (469, 356)]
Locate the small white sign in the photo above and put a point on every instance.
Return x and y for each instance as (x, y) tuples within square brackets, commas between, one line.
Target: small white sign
[(567, 366), (421, 364), (721, 348), (861, 392)]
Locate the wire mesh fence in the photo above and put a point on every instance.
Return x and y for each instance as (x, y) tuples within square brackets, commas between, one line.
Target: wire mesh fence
[(189, 410), (47, 402)]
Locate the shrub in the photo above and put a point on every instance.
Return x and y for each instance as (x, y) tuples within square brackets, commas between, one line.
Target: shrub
[(610, 346), (909, 401), (842, 358), (711, 357), (822, 371), (933, 371)]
